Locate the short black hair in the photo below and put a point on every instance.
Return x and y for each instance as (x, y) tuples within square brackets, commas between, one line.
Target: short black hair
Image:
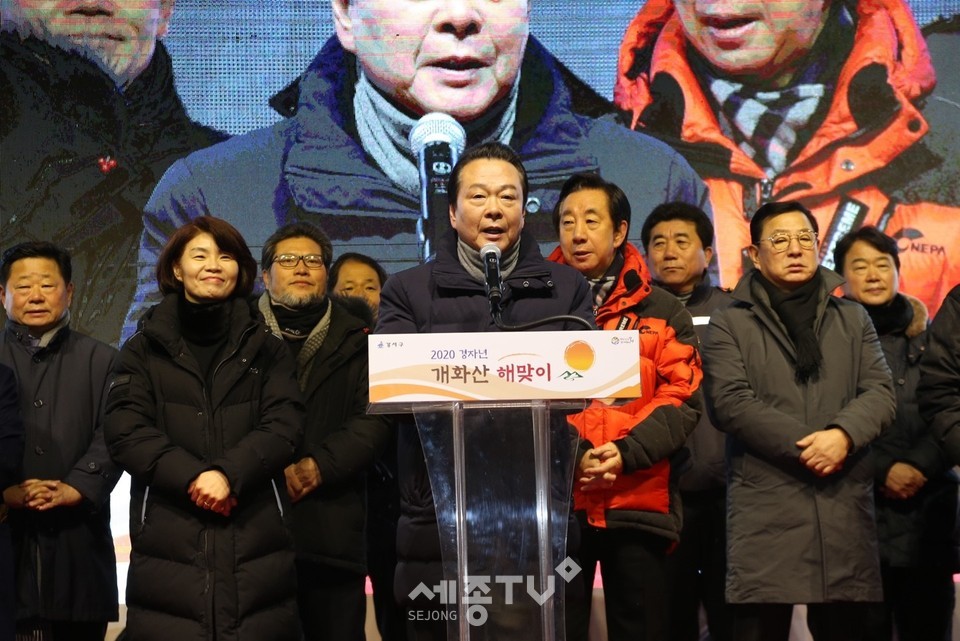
[(36, 249), (356, 258), (617, 201), (299, 229), (677, 210), (870, 235), (228, 239), (770, 210), (486, 151)]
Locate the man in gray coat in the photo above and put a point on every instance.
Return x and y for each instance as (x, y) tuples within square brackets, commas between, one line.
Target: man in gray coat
[(797, 379)]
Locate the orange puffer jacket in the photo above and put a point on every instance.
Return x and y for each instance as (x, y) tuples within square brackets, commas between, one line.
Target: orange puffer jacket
[(649, 430), (874, 160)]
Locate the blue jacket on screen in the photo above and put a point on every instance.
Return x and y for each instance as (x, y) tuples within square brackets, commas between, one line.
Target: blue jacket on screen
[(311, 167)]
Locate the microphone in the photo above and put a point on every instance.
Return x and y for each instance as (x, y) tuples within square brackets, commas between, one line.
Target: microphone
[(490, 255), (437, 140)]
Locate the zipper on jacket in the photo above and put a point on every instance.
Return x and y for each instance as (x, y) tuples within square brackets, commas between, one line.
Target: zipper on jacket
[(276, 494), (206, 560), (143, 508), (208, 399), (208, 415)]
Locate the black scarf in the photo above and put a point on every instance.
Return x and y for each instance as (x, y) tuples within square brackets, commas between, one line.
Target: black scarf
[(894, 317), (296, 324), (797, 311)]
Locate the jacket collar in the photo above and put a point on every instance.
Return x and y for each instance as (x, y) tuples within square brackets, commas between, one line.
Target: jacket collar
[(337, 346), (889, 61), (633, 285), (87, 94), (55, 337), (324, 149), (744, 289), (448, 273), (161, 323), (750, 293), (701, 291)]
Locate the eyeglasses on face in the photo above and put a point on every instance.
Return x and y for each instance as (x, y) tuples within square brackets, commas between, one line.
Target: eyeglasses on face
[(779, 242), (289, 261)]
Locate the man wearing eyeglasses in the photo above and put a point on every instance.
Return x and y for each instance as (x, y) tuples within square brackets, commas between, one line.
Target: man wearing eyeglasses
[(797, 379), (328, 340)]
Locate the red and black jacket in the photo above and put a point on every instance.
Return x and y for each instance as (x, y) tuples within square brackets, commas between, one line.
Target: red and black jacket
[(648, 431)]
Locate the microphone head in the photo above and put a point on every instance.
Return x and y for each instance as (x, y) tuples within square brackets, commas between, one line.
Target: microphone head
[(438, 127), (489, 248)]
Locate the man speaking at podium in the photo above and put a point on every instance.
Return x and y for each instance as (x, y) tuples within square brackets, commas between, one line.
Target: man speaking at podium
[(487, 186), (341, 160)]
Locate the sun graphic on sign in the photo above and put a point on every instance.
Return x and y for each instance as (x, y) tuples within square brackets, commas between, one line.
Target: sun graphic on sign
[(579, 356)]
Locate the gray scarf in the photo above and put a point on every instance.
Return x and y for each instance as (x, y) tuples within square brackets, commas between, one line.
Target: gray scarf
[(385, 130), (470, 260), (311, 344)]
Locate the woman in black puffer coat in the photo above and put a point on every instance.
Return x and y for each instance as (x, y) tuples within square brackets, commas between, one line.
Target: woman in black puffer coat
[(204, 413)]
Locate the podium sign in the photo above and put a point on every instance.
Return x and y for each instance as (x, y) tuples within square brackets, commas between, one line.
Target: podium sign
[(491, 412), (410, 369)]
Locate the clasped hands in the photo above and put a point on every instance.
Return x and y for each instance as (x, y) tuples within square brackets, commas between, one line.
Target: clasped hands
[(600, 467), (41, 495), (211, 491), (823, 452), (302, 478), (903, 481)]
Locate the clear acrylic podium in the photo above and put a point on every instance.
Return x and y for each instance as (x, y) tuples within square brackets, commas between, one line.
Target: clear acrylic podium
[(500, 465), (501, 475)]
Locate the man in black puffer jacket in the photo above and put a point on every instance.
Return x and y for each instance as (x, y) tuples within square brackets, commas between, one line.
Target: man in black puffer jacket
[(326, 482), (487, 187), (87, 127)]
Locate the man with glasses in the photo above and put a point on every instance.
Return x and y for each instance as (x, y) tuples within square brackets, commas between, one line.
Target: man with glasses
[(797, 379), (328, 340)]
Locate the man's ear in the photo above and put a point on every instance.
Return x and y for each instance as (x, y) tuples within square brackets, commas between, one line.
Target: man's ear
[(453, 217), (69, 294), (166, 12), (620, 233), (343, 24), (708, 255), (754, 256)]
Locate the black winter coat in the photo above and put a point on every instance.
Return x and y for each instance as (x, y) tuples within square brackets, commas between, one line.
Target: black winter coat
[(939, 390), (11, 451), (706, 467), (328, 523), (921, 530), (196, 575), (80, 159), (63, 389), (11, 429), (440, 296)]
